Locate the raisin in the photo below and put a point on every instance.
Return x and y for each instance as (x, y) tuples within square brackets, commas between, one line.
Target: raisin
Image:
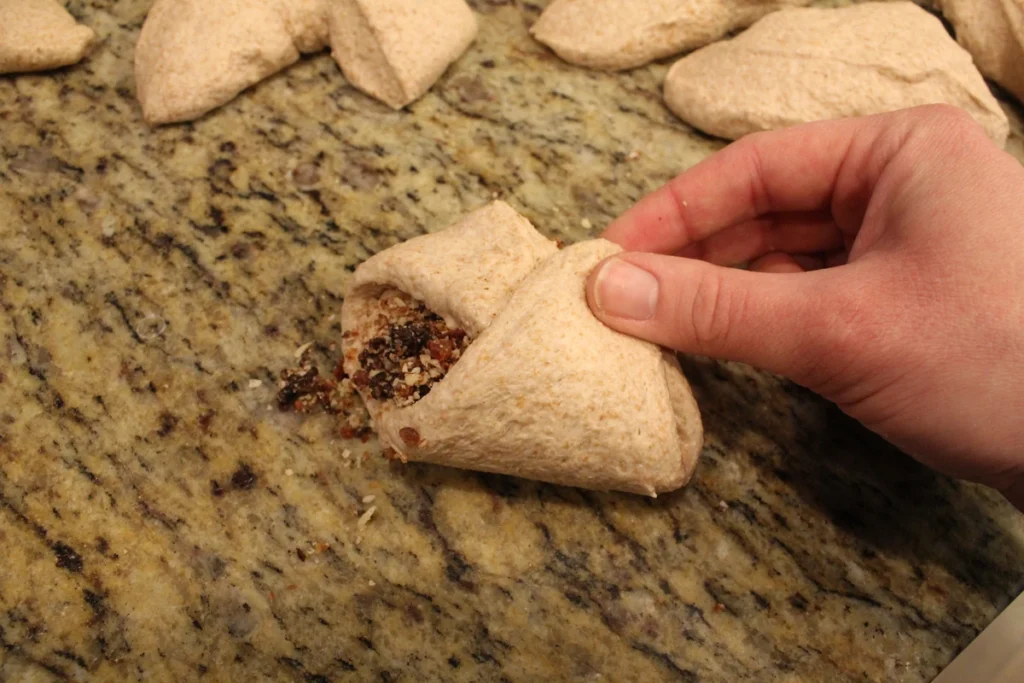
[(370, 360), (410, 339), (380, 387), (377, 345), (409, 435), (440, 349)]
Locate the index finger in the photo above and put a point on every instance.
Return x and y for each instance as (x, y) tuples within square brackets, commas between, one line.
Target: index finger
[(794, 169)]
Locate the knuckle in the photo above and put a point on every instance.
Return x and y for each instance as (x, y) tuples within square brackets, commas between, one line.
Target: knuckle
[(942, 120), (713, 310), (849, 334)]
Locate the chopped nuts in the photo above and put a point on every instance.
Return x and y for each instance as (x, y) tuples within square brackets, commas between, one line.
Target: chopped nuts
[(410, 348)]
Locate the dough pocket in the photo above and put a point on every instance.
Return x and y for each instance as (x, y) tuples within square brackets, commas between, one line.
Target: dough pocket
[(474, 347)]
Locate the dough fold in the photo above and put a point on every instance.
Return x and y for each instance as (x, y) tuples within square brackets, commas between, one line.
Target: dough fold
[(194, 56), (801, 65), (623, 34), (545, 391), (36, 35), (394, 50)]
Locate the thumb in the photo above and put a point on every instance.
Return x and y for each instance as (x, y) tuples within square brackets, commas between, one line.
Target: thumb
[(782, 322)]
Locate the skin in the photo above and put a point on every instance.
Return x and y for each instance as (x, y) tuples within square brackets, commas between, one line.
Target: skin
[(886, 273)]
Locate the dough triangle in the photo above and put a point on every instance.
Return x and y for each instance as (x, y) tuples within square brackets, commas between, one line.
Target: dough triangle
[(545, 391)]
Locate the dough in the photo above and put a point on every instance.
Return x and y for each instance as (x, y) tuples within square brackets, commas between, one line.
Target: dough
[(545, 390), (801, 65), (193, 55), (36, 35), (993, 32), (622, 34), (394, 50)]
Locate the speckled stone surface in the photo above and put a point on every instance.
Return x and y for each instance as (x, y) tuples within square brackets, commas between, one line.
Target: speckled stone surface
[(159, 522)]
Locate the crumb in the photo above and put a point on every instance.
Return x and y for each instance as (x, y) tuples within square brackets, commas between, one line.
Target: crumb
[(365, 518), (301, 351), (369, 499), (289, 472), (372, 584), (633, 156), (586, 224), (253, 383), (719, 608), (722, 505)]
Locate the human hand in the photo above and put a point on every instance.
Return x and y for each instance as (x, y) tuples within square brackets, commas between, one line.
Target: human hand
[(886, 272)]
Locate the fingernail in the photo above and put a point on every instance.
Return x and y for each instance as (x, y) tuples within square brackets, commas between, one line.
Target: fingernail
[(623, 290)]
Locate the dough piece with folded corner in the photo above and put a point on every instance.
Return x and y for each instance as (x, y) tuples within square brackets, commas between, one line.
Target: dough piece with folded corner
[(993, 32), (622, 34), (36, 35), (395, 50), (193, 55), (801, 65), (475, 348)]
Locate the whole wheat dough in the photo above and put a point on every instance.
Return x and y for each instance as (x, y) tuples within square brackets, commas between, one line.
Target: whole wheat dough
[(36, 35), (394, 50), (193, 55), (993, 32), (545, 390), (622, 34), (801, 65)]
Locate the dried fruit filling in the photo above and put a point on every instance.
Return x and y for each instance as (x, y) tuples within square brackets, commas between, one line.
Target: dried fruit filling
[(411, 348)]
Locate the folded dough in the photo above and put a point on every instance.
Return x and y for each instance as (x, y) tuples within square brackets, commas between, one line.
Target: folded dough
[(36, 35), (194, 55), (801, 65), (394, 50), (622, 34), (993, 32), (545, 390)]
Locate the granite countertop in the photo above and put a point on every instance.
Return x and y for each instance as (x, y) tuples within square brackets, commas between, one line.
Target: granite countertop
[(161, 519)]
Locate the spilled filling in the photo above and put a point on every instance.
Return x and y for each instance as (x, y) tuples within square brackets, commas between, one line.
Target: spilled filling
[(408, 349)]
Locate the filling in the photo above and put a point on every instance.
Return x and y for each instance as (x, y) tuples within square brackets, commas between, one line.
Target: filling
[(304, 390), (406, 350)]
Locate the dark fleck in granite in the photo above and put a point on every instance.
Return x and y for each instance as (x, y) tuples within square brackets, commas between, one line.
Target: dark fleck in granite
[(161, 519)]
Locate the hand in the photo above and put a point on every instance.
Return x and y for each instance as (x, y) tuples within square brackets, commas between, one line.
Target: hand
[(886, 272)]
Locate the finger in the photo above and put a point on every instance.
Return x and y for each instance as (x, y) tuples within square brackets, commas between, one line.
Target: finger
[(787, 170), (808, 261), (777, 262), (794, 233), (779, 321)]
